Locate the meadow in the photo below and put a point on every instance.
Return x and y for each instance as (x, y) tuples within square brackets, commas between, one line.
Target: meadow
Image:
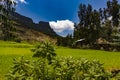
[(11, 50)]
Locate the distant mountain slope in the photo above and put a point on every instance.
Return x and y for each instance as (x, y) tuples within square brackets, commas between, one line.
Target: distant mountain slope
[(31, 35), (27, 30), (26, 22)]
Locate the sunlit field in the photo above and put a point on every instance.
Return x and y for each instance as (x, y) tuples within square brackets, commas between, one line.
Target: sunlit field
[(11, 50)]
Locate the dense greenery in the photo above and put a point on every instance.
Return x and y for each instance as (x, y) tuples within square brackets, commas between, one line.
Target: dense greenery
[(44, 50), (11, 50), (63, 68), (65, 41), (60, 69), (7, 7), (95, 24), (92, 21), (89, 25)]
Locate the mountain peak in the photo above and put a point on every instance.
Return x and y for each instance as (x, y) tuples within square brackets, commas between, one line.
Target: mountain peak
[(27, 22)]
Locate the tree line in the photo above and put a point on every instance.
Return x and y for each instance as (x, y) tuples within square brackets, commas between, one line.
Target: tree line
[(94, 24)]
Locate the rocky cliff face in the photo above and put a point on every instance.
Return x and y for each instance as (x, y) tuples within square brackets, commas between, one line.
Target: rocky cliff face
[(45, 28)]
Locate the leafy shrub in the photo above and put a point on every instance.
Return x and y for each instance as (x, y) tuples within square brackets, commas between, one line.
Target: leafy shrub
[(44, 50), (62, 68), (79, 69), (66, 68)]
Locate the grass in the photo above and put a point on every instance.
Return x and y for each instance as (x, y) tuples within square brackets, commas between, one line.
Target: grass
[(14, 44), (110, 59), (10, 50)]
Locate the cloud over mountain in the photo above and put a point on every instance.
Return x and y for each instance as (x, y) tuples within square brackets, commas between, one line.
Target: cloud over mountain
[(62, 25)]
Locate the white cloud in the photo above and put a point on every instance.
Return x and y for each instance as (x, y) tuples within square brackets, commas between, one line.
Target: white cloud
[(61, 26), (23, 1)]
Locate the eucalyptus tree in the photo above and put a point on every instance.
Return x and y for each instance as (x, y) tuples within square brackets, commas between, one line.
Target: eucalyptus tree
[(89, 25), (109, 18), (6, 8), (113, 9)]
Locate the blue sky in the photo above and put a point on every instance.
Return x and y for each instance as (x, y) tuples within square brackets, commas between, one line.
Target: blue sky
[(55, 10)]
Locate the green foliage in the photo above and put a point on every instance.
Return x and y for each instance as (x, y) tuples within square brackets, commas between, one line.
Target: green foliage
[(69, 68), (44, 50), (96, 24), (20, 70), (113, 9), (65, 41), (89, 25), (63, 68), (66, 68), (106, 31), (29, 70), (6, 25), (10, 50), (8, 30)]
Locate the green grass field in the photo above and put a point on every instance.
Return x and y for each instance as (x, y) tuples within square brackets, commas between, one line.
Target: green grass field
[(110, 59), (10, 50)]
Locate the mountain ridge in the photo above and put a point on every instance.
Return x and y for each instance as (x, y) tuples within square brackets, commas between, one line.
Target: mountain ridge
[(27, 30), (27, 22)]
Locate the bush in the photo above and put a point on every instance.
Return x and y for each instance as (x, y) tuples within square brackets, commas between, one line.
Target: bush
[(18, 40), (44, 50), (66, 68), (63, 68)]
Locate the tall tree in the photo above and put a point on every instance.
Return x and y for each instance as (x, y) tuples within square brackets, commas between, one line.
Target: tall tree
[(6, 8), (89, 25), (81, 13), (113, 9), (101, 14)]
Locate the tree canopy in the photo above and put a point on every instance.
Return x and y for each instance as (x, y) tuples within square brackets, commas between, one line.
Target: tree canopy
[(94, 23), (7, 7)]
